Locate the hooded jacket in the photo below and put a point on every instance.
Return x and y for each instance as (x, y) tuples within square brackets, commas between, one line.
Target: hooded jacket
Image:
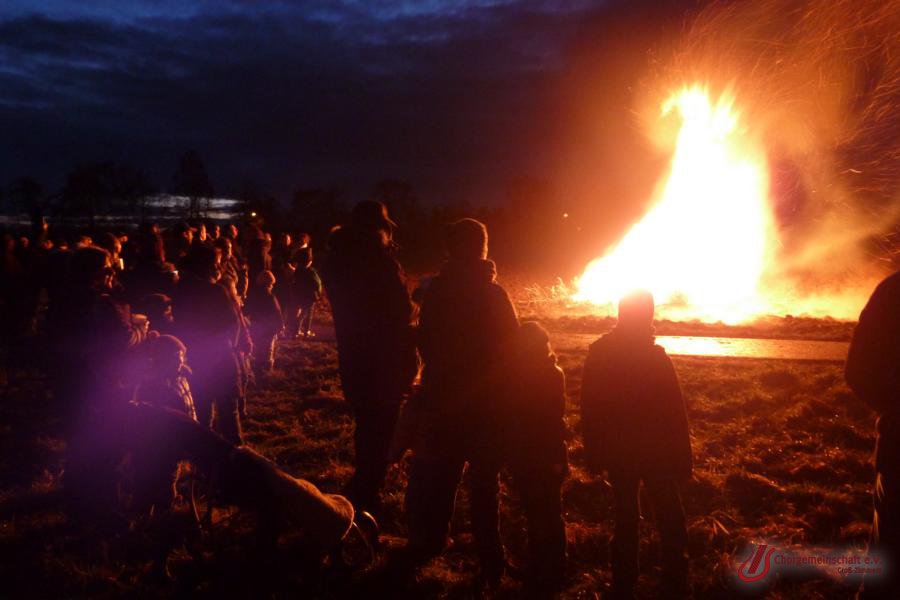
[(372, 312), (535, 429), (466, 330), (873, 366), (632, 411)]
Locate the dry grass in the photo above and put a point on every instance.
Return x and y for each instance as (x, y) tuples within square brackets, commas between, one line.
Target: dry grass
[(782, 452)]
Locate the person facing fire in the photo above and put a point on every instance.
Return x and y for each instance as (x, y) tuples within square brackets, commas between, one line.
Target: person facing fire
[(467, 327), (307, 289), (93, 340), (873, 373), (264, 312), (535, 452), (150, 273), (376, 353), (283, 267), (635, 428), (208, 323)]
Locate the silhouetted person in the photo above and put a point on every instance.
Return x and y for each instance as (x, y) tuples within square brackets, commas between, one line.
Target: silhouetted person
[(307, 289), (376, 354), (266, 322), (213, 230), (467, 328), (228, 264), (237, 258), (873, 373), (635, 427), (535, 453), (158, 310), (92, 338), (244, 347), (208, 323), (200, 234), (150, 274), (283, 267), (181, 238), (256, 252), (110, 242)]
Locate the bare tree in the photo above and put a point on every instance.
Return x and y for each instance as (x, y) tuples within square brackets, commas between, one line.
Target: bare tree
[(191, 180)]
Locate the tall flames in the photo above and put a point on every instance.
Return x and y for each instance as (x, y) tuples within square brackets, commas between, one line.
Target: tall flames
[(704, 245)]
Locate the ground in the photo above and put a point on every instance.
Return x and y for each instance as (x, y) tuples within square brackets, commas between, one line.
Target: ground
[(782, 452)]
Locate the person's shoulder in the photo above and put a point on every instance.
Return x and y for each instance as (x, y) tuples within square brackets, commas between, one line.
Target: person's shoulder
[(498, 290), (660, 356), (658, 350), (882, 304), (889, 286), (601, 344)]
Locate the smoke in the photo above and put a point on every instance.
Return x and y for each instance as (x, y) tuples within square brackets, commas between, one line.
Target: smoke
[(819, 83)]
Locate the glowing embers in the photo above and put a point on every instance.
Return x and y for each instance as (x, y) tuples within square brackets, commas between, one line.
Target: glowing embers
[(704, 244)]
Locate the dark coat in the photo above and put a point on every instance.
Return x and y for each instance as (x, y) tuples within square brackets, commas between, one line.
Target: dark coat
[(206, 320), (148, 277), (94, 358), (466, 332), (264, 312), (307, 286), (372, 313), (258, 259), (535, 431), (873, 367), (632, 412)]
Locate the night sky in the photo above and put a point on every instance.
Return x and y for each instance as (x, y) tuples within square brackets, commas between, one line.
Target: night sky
[(458, 98)]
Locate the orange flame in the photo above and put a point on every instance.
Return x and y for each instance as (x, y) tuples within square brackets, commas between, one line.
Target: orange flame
[(704, 245)]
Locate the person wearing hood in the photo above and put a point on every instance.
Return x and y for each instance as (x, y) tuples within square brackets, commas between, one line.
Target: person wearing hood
[(377, 358), (536, 455), (467, 328), (635, 427), (873, 373)]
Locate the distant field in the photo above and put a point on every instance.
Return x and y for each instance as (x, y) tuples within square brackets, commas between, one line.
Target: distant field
[(782, 452)]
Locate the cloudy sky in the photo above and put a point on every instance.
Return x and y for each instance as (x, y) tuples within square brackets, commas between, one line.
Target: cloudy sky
[(456, 97)]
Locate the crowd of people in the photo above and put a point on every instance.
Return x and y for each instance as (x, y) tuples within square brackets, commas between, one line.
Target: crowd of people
[(189, 320)]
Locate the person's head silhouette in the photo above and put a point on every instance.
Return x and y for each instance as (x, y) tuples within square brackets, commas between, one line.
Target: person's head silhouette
[(636, 310), (467, 239)]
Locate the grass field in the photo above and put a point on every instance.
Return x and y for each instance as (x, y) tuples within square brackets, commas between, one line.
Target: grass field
[(782, 453)]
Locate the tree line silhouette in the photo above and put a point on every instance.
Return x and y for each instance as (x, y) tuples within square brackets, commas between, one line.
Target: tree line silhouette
[(532, 227)]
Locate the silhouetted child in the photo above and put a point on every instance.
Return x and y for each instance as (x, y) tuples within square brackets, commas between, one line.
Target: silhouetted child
[(307, 289), (635, 427), (264, 313), (537, 456)]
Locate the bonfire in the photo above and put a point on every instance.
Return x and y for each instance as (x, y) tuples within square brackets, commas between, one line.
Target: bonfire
[(704, 246)]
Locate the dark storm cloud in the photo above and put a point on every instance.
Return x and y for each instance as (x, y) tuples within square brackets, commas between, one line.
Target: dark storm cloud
[(450, 95)]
